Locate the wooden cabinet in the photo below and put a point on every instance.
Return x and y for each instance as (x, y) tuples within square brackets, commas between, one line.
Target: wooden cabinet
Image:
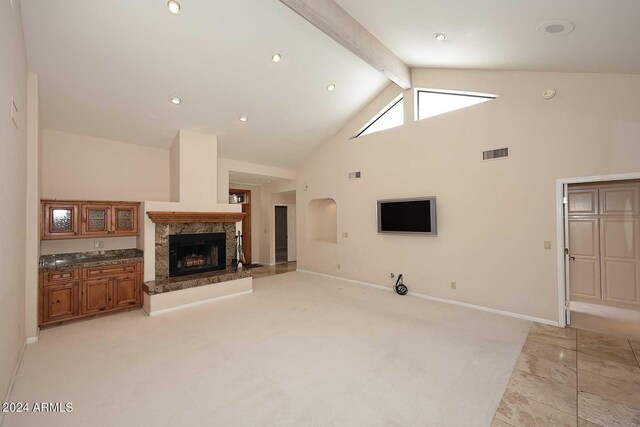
[(126, 291), (59, 302), (96, 219), (96, 296), (125, 219), (75, 293), (245, 197), (84, 219), (60, 220)]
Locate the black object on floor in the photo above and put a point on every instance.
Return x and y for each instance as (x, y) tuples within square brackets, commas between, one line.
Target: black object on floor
[(400, 288)]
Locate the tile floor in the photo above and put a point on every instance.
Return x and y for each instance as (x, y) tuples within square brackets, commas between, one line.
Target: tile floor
[(573, 377), (270, 270)]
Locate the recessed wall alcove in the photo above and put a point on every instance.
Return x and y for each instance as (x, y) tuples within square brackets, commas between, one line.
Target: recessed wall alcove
[(322, 221)]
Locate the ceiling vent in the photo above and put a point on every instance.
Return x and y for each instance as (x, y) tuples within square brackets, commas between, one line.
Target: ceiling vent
[(355, 175), (498, 153)]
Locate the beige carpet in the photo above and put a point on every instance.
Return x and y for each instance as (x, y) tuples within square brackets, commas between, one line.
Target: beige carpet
[(302, 350)]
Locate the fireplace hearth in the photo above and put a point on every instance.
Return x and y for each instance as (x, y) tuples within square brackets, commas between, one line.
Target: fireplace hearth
[(196, 253)]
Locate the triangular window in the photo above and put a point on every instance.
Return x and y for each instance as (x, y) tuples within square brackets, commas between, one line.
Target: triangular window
[(389, 117), (435, 102)]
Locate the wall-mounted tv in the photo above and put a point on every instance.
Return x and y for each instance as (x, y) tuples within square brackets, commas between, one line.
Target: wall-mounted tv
[(408, 216)]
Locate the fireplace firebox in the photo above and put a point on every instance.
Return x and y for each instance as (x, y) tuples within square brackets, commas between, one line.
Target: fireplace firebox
[(196, 253)]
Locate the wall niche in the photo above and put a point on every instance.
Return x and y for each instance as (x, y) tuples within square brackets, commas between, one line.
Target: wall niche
[(322, 221)]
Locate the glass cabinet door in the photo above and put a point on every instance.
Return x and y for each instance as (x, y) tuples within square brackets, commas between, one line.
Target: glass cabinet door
[(125, 219), (60, 220), (96, 219)]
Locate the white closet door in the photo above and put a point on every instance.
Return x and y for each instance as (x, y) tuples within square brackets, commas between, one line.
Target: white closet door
[(584, 262), (619, 244)]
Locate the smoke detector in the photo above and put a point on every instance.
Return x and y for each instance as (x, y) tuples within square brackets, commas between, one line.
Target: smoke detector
[(556, 27)]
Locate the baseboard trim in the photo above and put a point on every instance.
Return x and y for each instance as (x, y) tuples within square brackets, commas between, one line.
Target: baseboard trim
[(7, 398), (196, 303), (443, 300)]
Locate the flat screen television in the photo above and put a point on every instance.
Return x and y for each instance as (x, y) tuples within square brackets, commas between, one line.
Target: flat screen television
[(408, 216)]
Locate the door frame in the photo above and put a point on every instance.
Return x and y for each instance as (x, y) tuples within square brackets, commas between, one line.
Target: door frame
[(561, 186), (273, 233)]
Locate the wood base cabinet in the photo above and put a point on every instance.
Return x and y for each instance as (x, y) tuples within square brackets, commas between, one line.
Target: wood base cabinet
[(75, 293), (60, 302), (96, 296)]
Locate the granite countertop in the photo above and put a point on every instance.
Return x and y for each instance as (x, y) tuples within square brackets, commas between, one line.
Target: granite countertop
[(89, 259), (193, 281)]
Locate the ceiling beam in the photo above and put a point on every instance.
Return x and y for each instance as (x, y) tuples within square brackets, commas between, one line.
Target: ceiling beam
[(335, 22)]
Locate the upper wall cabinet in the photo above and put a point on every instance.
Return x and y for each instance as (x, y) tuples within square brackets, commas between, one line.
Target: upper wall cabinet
[(83, 219), (60, 220), (125, 219), (96, 219)]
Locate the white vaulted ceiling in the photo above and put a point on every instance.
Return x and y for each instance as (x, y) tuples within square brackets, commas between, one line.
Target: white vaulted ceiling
[(501, 34), (107, 69)]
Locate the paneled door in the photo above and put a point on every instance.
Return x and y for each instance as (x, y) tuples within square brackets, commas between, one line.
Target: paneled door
[(619, 244), (59, 302), (584, 258), (96, 218), (60, 220), (125, 219), (126, 291), (96, 296)]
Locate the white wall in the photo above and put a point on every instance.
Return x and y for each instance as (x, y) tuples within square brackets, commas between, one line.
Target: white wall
[(88, 168), (227, 165), (78, 167), (13, 188), (32, 210), (197, 175), (493, 217)]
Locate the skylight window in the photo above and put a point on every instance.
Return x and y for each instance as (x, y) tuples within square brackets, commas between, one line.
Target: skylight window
[(391, 116), (435, 102)]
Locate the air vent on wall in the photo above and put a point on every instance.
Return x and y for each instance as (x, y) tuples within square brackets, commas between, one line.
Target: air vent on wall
[(498, 153), (355, 175)]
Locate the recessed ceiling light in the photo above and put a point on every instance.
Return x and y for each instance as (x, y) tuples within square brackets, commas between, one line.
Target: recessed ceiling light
[(276, 57), (331, 87), (174, 7), (440, 37), (175, 100), (244, 119), (556, 27)]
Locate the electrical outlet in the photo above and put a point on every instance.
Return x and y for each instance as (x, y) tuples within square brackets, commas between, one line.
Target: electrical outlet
[(345, 235), (547, 245), (454, 285), (98, 244), (338, 266)]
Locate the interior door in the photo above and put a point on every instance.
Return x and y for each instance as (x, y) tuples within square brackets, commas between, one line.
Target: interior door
[(618, 240), (291, 233), (281, 243), (584, 258), (567, 270)]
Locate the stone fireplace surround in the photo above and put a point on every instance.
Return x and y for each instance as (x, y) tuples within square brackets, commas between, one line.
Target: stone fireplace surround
[(175, 223), (163, 231)]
